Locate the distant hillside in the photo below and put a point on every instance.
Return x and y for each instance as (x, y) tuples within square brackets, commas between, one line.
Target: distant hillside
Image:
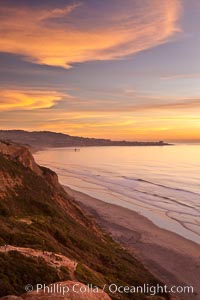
[(53, 139), (38, 216)]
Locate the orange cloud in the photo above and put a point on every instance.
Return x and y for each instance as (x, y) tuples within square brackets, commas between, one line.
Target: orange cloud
[(27, 100), (37, 34)]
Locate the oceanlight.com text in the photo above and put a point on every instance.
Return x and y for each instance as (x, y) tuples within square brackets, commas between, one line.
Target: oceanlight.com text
[(78, 288)]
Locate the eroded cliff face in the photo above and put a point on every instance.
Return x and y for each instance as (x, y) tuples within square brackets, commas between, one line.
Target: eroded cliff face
[(7, 181), (21, 154)]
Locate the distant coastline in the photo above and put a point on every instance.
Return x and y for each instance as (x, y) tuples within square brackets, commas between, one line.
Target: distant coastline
[(44, 139)]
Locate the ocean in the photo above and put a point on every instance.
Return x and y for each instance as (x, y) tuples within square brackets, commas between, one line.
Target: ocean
[(161, 183)]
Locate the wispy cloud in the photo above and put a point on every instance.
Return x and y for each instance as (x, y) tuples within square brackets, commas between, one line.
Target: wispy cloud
[(57, 12), (58, 102), (174, 104), (181, 76), (27, 100), (58, 37), (138, 103)]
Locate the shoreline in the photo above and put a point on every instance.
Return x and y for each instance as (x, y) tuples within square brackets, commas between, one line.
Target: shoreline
[(163, 204), (170, 257)]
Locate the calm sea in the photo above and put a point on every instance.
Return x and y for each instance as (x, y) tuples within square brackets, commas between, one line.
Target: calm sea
[(161, 183)]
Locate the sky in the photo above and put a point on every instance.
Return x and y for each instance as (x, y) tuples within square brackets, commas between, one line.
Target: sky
[(119, 69)]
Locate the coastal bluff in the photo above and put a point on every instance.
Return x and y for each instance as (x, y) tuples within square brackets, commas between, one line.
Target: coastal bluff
[(46, 237)]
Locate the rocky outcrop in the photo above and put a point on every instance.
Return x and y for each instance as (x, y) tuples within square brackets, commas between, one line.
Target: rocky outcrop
[(50, 176), (21, 154)]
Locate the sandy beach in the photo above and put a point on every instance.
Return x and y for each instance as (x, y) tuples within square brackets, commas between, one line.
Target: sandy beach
[(172, 258)]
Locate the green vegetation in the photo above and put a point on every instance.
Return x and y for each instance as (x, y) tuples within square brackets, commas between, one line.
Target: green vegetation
[(86, 275), (18, 270), (57, 224)]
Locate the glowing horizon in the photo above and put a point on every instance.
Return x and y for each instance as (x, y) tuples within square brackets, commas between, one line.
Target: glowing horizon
[(110, 70)]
